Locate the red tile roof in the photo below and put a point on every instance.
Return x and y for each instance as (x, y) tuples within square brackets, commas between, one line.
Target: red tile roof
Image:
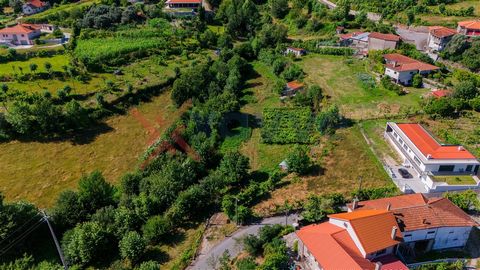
[(295, 49), (326, 242), (372, 227), (416, 212), (439, 93), (295, 85), (390, 262), (475, 25), (389, 37), (429, 147), (19, 29), (36, 3), (404, 63), (441, 32)]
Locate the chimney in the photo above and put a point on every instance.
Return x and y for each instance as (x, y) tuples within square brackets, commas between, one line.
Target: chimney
[(378, 265), (429, 156), (354, 204), (394, 232), (460, 148), (389, 205)]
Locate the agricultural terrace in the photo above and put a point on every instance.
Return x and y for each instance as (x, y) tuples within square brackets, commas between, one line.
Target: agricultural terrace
[(113, 148), (349, 83), (112, 48)]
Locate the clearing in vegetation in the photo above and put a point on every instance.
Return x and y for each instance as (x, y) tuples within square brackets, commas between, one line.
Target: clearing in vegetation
[(340, 79), (287, 125), (39, 171)]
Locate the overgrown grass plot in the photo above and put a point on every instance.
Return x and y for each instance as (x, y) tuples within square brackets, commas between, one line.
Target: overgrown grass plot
[(287, 125)]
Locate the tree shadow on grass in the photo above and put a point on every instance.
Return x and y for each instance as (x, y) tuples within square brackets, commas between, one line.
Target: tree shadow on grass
[(155, 253)]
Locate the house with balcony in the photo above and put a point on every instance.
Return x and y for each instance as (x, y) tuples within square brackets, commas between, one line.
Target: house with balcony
[(469, 28), (439, 167), (360, 240), (425, 224), (438, 37), (401, 68)]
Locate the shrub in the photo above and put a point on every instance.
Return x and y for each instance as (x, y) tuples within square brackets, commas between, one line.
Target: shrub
[(328, 120), (466, 200), (132, 246), (298, 160), (316, 208), (156, 228), (417, 81), (387, 84)]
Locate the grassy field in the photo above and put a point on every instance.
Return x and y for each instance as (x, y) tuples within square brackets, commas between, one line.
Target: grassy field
[(343, 159), (14, 67), (64, 8), (338, 77), (141, 73), (434, 19), (39, 171), (374, 130)]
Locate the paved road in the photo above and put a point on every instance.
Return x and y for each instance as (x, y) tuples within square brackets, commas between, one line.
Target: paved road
[(370, 15), (209, 260)]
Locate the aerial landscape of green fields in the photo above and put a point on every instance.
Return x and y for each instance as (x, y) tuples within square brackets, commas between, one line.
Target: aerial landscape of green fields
[(239, 134)]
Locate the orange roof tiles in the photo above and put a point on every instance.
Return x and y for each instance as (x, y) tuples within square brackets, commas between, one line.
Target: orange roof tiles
[(389, 37), (295, 85), (441, 93), (404, 63), (323, 241), (295, 49), (36, 3), (416, 212), (470, 25), (429, 147), (372, 227), (441, 32), (19, 29)]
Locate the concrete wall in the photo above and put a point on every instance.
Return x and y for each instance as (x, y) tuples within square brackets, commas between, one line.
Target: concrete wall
[(450, 237), (403, 77), (379, 44), (20, 39)]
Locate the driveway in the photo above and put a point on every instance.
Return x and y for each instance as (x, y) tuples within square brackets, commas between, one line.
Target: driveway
[(416, 36), (209, 260)]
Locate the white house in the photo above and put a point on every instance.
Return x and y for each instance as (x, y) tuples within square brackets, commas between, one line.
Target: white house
[(402, 68), (469, 28), (34, 6), (430, 159), (379, 41), (360, 240), (425, 223), (20, 34), (438, 37), (298, 52)]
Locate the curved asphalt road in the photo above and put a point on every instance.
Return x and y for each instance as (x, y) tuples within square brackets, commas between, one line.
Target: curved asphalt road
[(208, 261)]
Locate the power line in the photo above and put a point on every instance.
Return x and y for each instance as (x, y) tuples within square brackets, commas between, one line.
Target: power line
[(21, 237), (57, 245), (17, 229)]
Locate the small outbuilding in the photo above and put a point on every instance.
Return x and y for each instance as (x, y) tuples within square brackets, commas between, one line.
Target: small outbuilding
[(298, 52), (292, 88)]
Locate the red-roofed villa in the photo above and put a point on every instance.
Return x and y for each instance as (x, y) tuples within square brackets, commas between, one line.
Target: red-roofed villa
[(402, 68), (440, 167), (469, 28), (20, 34), (438, 37)]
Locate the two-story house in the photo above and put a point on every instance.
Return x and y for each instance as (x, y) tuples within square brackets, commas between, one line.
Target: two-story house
[(469, 28), (402, 68), (425, 223), (34, 6), (438, 37), (431, 160), (20, 34), (360, 240)]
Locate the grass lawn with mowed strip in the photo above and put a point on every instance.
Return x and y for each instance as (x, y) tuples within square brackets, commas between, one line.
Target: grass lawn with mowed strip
[(338, 77), (39, 171), (455, 179)]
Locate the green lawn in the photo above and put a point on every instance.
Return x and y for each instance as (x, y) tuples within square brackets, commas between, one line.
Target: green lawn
[(39, 171), (57, 61), (338, 77), (374, 130), (455, 179)]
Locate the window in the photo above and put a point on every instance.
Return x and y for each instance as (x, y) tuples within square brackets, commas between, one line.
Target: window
[(446, 168), (23, 35), (469, 168), (416, 160), (430, 232), (401, 141), (408, 235)]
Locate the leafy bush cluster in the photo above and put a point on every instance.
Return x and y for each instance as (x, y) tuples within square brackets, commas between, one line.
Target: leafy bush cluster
[(460, 49), (387, 84), (317, 207), (287, 125)]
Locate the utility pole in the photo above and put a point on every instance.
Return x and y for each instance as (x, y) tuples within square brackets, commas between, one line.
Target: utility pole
[(59, 249)]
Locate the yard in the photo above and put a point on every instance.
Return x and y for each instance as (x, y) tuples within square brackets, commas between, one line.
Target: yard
[(39, 171), (342, 159), (339, 78)]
